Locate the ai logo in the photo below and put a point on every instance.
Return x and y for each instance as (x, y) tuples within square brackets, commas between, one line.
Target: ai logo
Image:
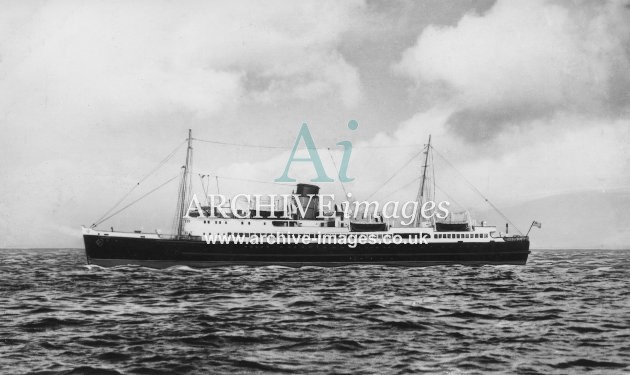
[(305, 135)]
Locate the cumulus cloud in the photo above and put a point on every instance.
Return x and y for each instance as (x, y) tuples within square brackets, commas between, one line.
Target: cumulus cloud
[(527, 60), (99, 87), (551, 165), (134, 57), (92, 95)]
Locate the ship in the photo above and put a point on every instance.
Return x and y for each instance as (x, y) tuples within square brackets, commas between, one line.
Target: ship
[(209, 237)]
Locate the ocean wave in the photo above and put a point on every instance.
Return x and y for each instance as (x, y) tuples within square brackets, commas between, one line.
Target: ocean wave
[(563, 312)]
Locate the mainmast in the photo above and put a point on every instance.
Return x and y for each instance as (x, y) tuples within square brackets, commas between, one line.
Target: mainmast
[(184, 187), (421, 191)]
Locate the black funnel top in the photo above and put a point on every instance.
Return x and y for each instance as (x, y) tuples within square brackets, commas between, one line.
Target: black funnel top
[(306, 189)]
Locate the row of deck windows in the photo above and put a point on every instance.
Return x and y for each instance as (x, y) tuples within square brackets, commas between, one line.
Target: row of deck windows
[(225, 222), (461, 235)]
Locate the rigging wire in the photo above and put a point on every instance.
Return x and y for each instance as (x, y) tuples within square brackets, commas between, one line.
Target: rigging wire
[(155, 169), (436, 186), (241, 144), (405, 185), (185, 187), (205, 185), (175, 222), (190, 177), (251, 180), (476, 190), (433, 174), (423, 188), (137, 200), (395, 173), (450, 198), (432, 184), (217, 177), (272, 147), (393, 146), (337, 170)]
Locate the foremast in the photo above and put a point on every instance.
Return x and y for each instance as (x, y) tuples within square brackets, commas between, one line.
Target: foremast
[(185, 187)]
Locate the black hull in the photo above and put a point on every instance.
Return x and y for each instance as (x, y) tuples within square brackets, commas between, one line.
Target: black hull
[(109, 251)]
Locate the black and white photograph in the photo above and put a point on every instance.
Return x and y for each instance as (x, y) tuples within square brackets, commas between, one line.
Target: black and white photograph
[(314, 187)]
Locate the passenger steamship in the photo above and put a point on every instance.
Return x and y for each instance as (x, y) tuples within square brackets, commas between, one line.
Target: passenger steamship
[(252, 239)]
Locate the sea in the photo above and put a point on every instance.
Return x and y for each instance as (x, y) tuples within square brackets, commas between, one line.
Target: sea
[(566, 311)]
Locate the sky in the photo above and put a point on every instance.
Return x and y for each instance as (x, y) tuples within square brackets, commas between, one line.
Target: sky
[(529, 101)]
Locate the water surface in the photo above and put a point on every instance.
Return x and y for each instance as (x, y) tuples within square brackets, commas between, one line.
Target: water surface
[(565, 312)]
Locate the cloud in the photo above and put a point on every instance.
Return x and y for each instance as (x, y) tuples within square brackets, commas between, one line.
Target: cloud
[(136, 57), (293, 49), (522, 163), (526, 60), (523, 172), (90, 92), (92, 95)]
